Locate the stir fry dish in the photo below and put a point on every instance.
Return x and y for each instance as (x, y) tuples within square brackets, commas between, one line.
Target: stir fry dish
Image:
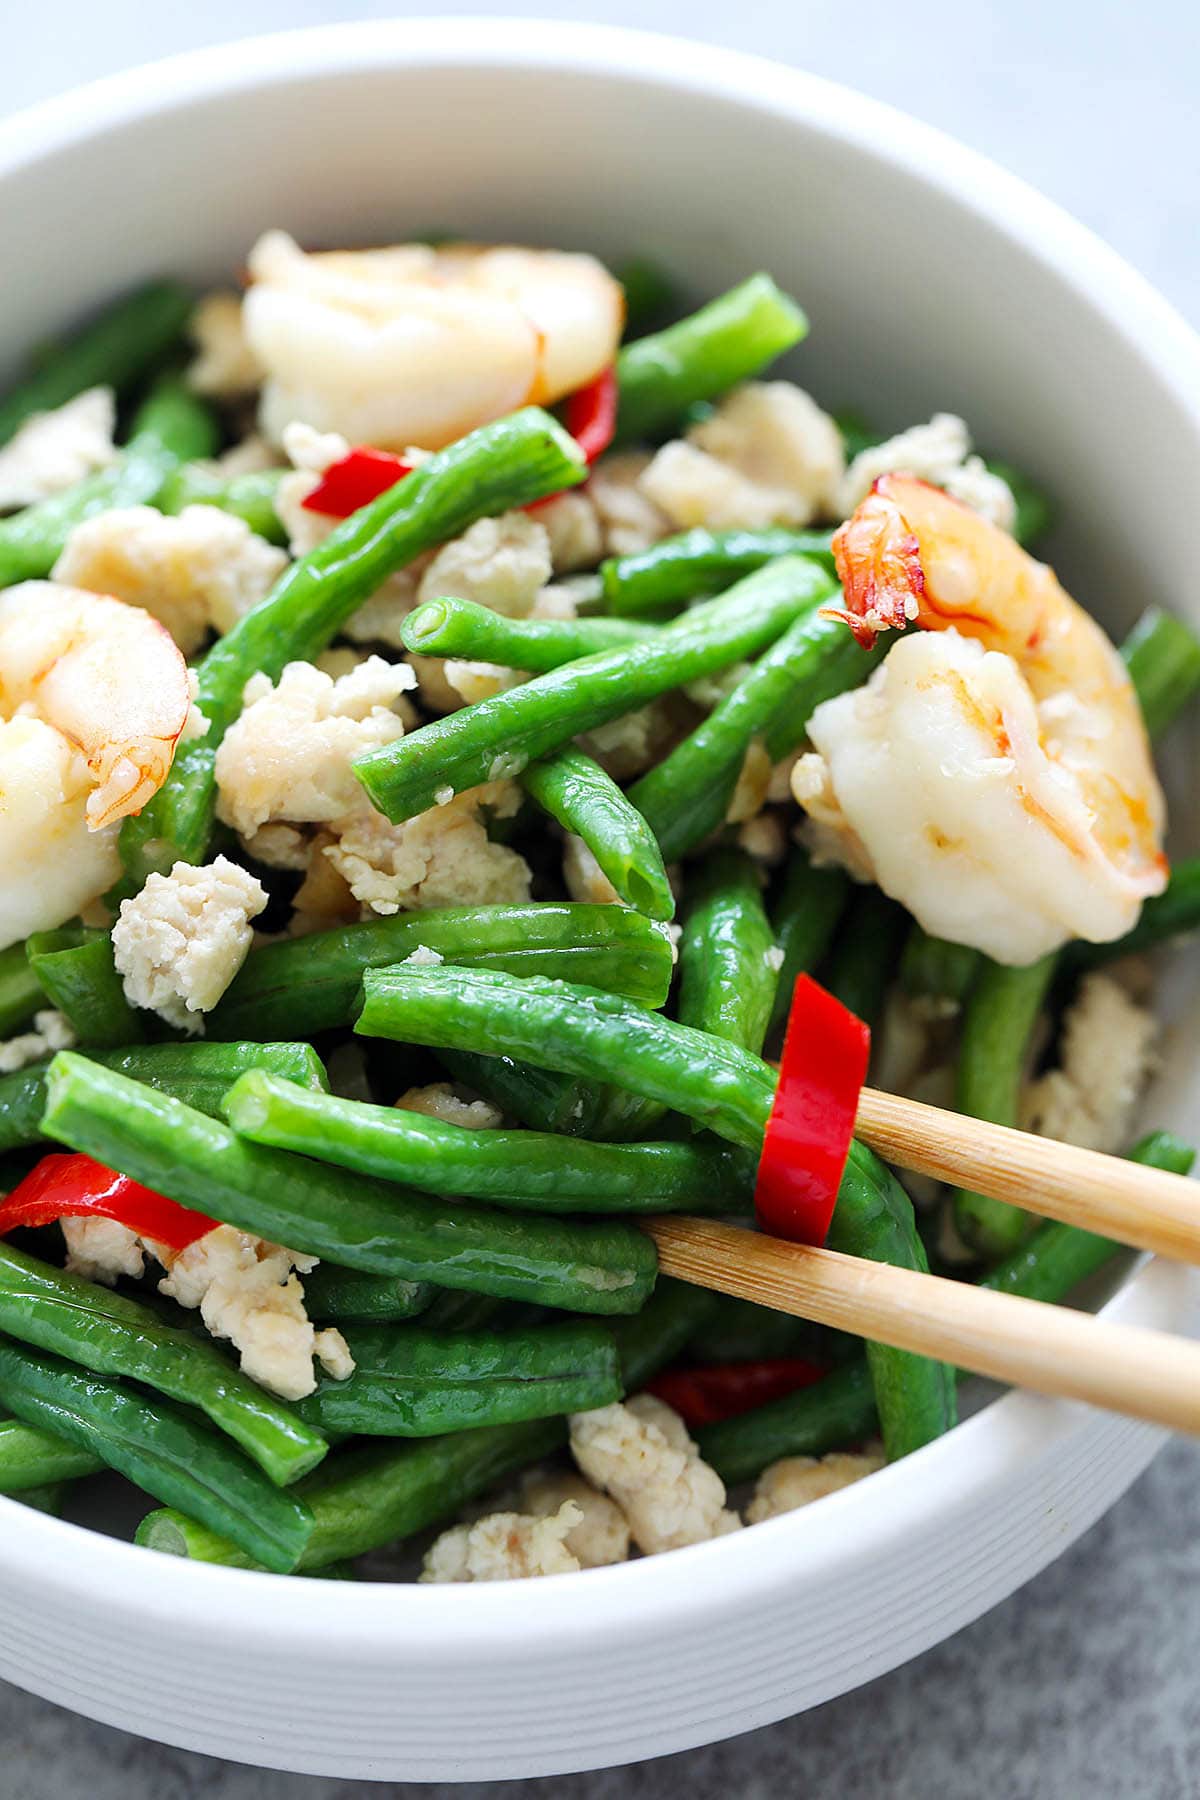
[(461, 723)]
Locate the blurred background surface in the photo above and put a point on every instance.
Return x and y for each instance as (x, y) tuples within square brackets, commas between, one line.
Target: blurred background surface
[(1083, 1684)]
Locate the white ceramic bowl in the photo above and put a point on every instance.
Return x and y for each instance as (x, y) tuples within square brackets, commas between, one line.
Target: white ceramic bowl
[(932, 280)]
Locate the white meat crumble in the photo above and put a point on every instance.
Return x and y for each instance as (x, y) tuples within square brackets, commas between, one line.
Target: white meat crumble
[(583, 877), (103, 1250), (180, 942), (443, 1101), (54, 450), (1107, 1057), (287, 760), (767, 456), (940, 453), (246, 1290), (505, 1546), (197, 573), (250, 1292), (601, 1535), (443, 857), (224, 366), (501, 563), (51, 1031), (799, 1480), (628, 518), (639, 1452), (287, 756)]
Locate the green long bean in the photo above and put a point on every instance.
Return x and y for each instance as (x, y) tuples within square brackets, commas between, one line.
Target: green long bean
[(663, 1329), (373, 1494), (835, 663), (865, 952), (575, 790), (910, 1398), (354, 1295), (504, 734), (114, 1335), (1162, 655), (686, 796), (528, 1170), (699, 563), (166, 1450), (419, 1383), (805, 917), (600, 1267), (835, 1412), (545, 1101), (840, 1410), (199, 1073), (502, 465), (74, 967), (727, 341), (250, 497), (997, 1022), (534, 1097), (728, 961), (914, 1396), (44, 1499), (115, 349), (367, 1496), (742, 1331), (933, 968), (451, 1311), (306, 985), (650, 293), (33, 1457), (592, 1034), (171, 425), (579, 1031), (21, 993), (461, 628)]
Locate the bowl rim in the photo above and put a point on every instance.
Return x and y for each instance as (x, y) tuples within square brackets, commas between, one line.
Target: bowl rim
[(727, 1574)]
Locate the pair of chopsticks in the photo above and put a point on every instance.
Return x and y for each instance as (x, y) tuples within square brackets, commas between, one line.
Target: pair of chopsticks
[(1149, 1375)]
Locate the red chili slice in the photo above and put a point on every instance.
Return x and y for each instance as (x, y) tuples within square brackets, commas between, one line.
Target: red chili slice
[(825, 1054), (590, 415), (724, 1390), (64, 1186), (360, 477)]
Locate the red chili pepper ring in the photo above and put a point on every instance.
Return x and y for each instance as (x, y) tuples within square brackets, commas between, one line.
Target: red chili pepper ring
[(64, 1186), (825, 1054)]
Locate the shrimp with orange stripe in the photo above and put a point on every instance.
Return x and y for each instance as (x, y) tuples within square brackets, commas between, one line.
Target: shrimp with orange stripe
[(415, 344), (994, 775), (94, 695)]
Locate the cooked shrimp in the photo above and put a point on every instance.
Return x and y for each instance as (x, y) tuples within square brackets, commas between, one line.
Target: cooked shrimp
[(93, 697), (1003, 790), (106, 676), (412, 345)]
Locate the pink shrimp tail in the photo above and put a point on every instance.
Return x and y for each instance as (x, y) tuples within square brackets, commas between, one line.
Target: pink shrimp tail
[(878, 561)]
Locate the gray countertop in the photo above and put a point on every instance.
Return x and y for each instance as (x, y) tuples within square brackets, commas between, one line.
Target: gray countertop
[(1085, 1682)]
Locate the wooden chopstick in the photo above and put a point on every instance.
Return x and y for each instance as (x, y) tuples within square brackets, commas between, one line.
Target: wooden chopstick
[(1054, 1350), (1148, 1208)]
